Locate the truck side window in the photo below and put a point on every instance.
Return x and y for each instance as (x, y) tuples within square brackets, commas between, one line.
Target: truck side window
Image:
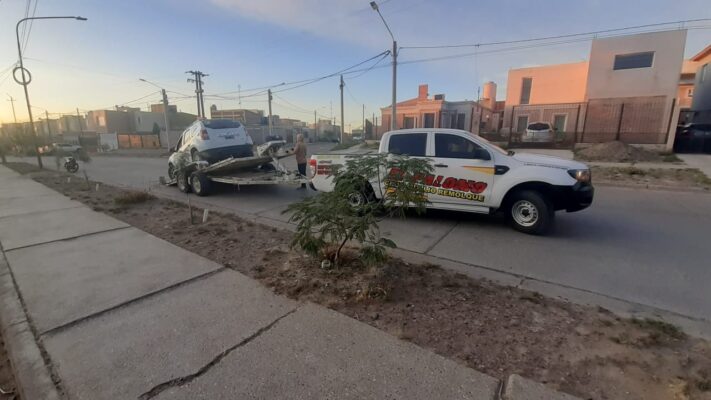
[(453, 146), (410, 144)]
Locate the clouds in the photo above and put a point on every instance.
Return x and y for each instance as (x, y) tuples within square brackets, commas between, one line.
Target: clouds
[(351, 21)]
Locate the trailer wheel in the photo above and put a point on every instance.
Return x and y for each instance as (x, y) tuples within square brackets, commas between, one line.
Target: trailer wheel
[(182, 181), (200, 183)]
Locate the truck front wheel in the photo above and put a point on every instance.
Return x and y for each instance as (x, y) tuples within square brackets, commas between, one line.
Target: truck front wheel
[(531, 212)]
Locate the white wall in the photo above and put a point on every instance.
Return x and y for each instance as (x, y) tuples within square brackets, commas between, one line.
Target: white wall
[(661, 79), (143, 121)]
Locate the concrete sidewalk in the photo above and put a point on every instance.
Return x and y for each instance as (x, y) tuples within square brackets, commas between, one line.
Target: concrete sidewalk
[(121, 314)]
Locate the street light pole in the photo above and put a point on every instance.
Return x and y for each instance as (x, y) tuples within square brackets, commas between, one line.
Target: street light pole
[(393, 117), (25, 77), (165, 111)]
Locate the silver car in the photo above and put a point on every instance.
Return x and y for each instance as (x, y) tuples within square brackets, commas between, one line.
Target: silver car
[(538, 132)]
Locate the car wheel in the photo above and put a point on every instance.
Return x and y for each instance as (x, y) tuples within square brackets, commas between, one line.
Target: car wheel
[(200, 184), (182, 181), (531, 212), (171, 172)]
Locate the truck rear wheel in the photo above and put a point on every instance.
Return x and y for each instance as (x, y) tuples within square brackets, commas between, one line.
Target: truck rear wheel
[(182, 181), (531, 212), (200, 183)]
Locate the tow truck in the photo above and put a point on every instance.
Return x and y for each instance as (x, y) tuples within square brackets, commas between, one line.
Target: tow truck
[(473, 175), (262, 169)]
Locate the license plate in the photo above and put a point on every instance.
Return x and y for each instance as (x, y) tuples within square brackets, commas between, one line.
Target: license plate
[(229, 136)]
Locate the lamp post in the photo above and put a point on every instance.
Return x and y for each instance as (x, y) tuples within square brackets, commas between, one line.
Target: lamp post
[(165, 112), (393, 117), (27, 77)]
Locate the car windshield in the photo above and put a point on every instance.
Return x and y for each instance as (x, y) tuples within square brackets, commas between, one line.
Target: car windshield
[(493, 146), (539, 126), (221, 124)]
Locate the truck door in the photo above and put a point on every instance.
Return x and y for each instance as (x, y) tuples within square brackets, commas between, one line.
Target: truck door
[(407, 144), (464, 172)]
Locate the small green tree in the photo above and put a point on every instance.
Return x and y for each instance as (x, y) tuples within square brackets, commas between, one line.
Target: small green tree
[(156, 129), (351, 211)]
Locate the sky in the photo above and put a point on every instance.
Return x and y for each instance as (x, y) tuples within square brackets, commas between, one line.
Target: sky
[(248, 45)]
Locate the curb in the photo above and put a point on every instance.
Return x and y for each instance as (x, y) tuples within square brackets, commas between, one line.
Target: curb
[(652, 187), (33, 378), (520, 388)]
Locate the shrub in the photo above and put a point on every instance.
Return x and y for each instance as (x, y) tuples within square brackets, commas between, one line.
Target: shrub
[(331, 219), (133, 197)]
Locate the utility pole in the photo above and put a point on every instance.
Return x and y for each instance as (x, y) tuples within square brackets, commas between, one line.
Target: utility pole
[(81, 128), (165, 117), (363, 136), (342, 124), (46, 122), (197, 79), (269, 121), (393, 117), (239, 94), (372, 131), (12, 103), (315, 127)]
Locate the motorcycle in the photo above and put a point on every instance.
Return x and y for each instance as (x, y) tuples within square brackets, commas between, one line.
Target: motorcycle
[(70, 164)]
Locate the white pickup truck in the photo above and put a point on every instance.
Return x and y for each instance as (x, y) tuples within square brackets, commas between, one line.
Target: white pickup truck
[(474, 175)]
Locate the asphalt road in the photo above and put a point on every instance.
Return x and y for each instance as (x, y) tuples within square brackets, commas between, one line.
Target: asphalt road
[(644, 246)]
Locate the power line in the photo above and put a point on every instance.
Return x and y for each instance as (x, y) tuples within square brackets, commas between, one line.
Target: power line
[(29, 30), (558, 36), (304, 82)]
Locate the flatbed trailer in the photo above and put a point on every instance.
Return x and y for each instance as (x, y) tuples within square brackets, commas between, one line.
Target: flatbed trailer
[(263, 169)]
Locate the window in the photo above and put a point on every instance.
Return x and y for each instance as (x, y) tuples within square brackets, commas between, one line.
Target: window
[(526, 84), (429, 120), (559, 122), (690, 93), (411, 144), (460, 121), (220, 123), (704, 71), (408, 122), (636, 60), (522, 123), (453, 146)]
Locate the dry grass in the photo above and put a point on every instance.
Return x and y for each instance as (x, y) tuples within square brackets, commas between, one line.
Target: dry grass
[(133, 197)]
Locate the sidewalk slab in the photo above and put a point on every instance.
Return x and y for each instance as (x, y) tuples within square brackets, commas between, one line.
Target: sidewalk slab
[(14, 187), (519, 388), (126, 352), (28, 205), (316, 353), (68, 280), (41, 227)]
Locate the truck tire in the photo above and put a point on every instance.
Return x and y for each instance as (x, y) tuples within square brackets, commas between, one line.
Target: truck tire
[(200, 184), (530, 212), (182, 180)]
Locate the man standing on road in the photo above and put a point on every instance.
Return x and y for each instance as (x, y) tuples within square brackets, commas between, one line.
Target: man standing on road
[(300, 153)]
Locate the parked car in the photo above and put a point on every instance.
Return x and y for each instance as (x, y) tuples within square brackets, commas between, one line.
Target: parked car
[(474, 175), (538, 132), (66, 148), (693, 138), (214, 140)]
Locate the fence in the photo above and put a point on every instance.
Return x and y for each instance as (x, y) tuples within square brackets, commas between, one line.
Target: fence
[(634, 120), (127, 141)]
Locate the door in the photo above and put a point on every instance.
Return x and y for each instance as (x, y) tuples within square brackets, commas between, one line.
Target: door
[(464, 172)]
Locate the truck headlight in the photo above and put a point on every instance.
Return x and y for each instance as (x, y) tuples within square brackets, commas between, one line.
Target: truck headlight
[(580, 175)]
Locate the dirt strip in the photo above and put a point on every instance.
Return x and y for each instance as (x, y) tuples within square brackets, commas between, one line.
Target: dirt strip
[(584, 351)]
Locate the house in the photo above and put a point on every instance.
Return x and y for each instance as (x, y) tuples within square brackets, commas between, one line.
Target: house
[(627, 90), (245, 116), (698, 72), (436, 112)]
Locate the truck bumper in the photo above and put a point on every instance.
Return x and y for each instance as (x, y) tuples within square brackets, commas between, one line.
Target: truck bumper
[(574, 198)]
